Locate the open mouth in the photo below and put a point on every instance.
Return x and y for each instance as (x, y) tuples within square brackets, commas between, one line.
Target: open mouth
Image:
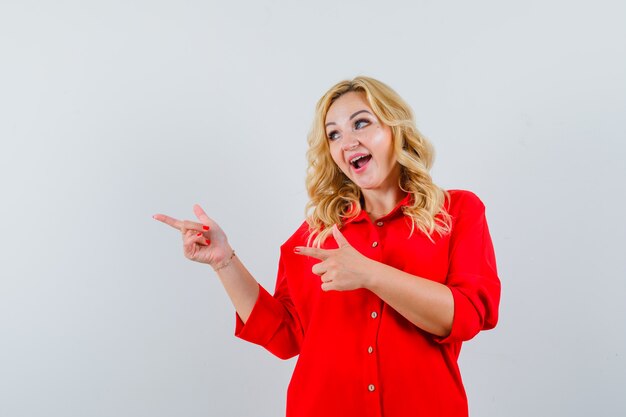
[(360, 161)]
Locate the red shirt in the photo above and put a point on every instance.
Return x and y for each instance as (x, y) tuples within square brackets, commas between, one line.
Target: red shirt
[(358, 356)]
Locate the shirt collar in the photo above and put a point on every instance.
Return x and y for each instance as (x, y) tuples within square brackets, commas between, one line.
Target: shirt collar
[(362, 215)]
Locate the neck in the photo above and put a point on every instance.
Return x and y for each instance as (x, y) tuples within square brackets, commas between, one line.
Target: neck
[(379, 203)]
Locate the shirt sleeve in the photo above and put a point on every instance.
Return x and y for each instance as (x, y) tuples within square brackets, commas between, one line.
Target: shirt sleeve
[(472, 274), (273, 322)]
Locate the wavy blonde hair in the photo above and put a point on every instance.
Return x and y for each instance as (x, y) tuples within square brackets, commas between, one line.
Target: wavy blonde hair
[(334, 198)]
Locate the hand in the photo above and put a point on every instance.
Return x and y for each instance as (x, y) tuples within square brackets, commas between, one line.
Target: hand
[(203, 242), (341, 269)]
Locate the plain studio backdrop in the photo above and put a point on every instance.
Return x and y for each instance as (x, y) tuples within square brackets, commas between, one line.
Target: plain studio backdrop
[(111, 111)]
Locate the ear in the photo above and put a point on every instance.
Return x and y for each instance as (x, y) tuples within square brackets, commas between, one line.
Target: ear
[(339, 237)]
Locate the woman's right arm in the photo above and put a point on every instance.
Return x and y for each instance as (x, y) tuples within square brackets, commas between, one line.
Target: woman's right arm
[(240, 286), (206, 242)]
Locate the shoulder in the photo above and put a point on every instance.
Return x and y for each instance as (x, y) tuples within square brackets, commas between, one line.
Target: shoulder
[(461, 201), (299, 237)]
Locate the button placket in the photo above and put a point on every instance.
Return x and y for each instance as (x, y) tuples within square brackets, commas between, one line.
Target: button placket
[(371, 381), (371, 356)]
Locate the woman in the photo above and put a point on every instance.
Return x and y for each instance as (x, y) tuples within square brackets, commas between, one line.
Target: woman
[(379, 287)]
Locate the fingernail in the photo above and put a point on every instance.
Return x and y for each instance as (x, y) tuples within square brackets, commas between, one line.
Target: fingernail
[(208, 242), (296, 250), (205, 227), (199, 234)]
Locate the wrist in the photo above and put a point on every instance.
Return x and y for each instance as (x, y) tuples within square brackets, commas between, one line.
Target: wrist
[(230, 255), (372, 276)]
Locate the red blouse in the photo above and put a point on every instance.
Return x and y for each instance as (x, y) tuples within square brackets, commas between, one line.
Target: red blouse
[(358, 356)]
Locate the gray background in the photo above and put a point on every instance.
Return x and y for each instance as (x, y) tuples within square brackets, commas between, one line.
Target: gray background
[(111, 111)]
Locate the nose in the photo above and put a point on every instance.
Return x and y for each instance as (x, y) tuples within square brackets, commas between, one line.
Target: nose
[(350, 143)]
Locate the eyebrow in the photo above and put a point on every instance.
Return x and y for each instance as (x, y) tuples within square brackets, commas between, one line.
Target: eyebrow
[(351, 117)]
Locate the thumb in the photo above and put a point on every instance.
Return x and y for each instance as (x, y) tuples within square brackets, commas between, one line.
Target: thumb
[(201, 215), (339, 237)]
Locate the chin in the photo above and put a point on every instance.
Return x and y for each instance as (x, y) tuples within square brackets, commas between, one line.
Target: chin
[(366, 185)]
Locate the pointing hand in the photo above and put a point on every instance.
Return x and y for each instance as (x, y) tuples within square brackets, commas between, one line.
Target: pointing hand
[(203, 241), (341, 269)]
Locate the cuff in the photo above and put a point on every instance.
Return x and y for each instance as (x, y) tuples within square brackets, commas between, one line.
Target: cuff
[(264, 321), (466, 321)]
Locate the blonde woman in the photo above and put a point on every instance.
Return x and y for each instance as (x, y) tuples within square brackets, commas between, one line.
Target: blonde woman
[(382, 283)]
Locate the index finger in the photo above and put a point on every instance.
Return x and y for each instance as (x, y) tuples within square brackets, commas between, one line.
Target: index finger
[(175, 223), (318, 253)]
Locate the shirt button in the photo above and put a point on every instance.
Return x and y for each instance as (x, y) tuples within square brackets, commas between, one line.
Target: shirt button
[(374, 244), (379, 224), (370, 349), (374, 314), (371, 387)]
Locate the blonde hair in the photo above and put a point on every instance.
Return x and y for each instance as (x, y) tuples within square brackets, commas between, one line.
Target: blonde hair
[(334, 198)]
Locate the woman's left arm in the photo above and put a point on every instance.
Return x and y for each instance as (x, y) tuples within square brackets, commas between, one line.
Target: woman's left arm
[(427, 304)]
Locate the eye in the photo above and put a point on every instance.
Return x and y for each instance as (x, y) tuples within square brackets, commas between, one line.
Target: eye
[(334, 135), (361, 123)]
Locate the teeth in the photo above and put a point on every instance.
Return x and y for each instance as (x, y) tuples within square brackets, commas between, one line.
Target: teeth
[(352, 161)]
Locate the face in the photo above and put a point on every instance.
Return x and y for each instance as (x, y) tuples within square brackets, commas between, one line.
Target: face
[(360, 144)]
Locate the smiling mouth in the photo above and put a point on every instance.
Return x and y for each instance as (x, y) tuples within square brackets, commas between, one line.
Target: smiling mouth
[(360, 161)]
